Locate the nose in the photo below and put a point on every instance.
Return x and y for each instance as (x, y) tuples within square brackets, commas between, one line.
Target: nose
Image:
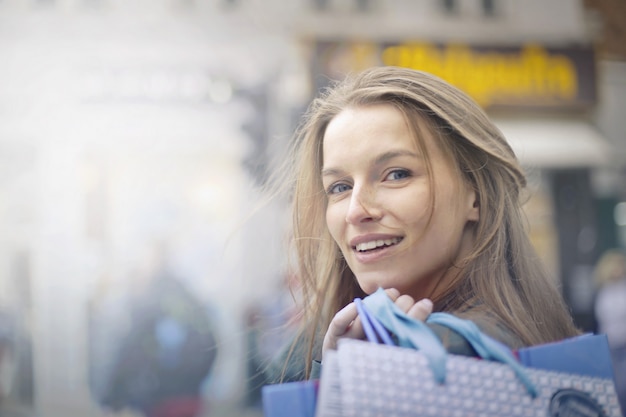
[(362, 207)]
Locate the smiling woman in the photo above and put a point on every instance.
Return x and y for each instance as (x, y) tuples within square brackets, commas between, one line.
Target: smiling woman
[(378, 209), (403, 183)]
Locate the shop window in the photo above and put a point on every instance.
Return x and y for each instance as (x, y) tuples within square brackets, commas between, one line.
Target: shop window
[(489, 8), (450, 7), (327, 5), (320, 5), (363, 5)]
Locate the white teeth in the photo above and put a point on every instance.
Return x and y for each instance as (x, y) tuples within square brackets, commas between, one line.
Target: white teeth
[(376, 244)]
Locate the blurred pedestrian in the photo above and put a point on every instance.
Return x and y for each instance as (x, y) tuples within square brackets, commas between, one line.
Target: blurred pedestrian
[(11, 405), (162, 362), (610, 312)]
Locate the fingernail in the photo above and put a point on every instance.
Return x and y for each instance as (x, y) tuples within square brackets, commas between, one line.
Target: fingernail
[(426, 303)]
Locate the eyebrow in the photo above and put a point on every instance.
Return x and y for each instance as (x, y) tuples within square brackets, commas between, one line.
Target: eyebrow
[(380, 159)]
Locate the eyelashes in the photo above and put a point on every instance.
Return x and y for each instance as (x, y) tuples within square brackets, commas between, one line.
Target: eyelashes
[(341, 186), (337, 188), (398, 174)]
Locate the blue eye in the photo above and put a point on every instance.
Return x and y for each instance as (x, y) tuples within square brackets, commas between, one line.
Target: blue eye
[(398, 174), (338, 188)]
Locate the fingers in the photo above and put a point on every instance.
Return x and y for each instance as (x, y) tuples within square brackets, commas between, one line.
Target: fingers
[(418, 310), (344, 324), (405, 302), (392, 293), (421, 310)]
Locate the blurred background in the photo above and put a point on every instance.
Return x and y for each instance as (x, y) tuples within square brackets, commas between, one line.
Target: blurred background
[(134, 136)]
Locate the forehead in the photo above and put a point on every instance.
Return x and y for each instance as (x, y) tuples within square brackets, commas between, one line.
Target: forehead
[(358, 132), (361, 136), (371, 125)]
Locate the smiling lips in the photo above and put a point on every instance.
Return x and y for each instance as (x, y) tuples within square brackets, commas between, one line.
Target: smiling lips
[(376, 244)]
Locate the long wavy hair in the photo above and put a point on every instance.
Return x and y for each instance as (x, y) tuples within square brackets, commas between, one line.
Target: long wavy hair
[(502, 274)]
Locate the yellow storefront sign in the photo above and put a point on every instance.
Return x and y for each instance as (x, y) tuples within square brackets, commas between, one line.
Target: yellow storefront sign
[(527, 75)]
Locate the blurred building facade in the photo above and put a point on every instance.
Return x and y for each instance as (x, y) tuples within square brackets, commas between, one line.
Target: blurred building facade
[(129, 123), (120, 131)]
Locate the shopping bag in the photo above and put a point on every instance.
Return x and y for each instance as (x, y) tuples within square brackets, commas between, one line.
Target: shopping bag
[(587, 354), (366, 379), (418, 377), (291, 399)]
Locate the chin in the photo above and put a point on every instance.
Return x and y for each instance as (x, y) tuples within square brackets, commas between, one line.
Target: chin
[(390, 273), (370, 285)]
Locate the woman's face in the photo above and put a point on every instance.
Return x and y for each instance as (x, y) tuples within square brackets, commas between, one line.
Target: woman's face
[(379, 198)]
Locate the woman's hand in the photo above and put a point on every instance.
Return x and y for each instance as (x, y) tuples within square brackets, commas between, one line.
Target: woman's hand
[(346, 322)]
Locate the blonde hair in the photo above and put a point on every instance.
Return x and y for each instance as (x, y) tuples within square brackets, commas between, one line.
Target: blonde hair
[(502, 275)]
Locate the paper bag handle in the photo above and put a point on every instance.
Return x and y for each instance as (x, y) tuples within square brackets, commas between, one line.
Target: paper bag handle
[(416, 334), (410, 333)]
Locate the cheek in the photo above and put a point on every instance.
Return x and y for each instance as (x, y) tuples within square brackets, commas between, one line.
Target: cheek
[(413, 211), (449, 221), (334, 221)]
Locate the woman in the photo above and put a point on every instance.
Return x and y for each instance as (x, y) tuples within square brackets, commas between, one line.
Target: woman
[(402, 182)]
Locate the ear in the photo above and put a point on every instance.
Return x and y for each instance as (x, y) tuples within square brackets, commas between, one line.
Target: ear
[(473, 207)]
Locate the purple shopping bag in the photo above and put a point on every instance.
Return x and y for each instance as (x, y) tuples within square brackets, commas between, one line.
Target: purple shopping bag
[(291, 399), (587, 354)]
